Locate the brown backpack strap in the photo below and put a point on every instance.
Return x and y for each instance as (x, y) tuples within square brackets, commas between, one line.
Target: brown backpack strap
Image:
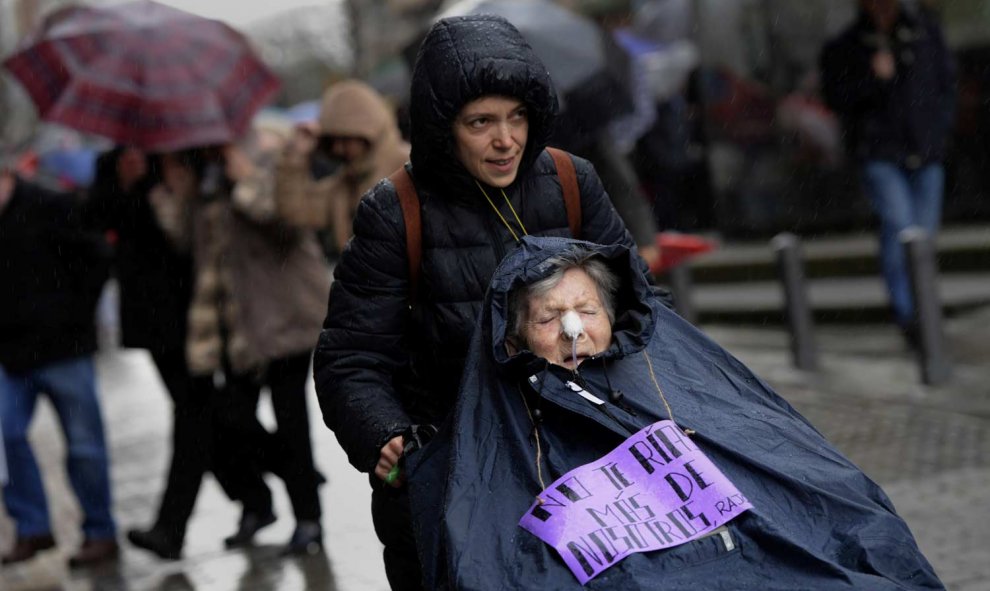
[(409, 200), (572, 195)]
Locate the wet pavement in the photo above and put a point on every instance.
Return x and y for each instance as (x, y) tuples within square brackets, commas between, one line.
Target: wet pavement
[(929, 447), (137, 414)]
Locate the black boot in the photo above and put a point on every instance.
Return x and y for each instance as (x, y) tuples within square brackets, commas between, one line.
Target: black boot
[(251, 523), (156, 542), (307, 539)]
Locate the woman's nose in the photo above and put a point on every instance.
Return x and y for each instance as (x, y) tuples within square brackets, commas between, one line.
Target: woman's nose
[(503, 135)]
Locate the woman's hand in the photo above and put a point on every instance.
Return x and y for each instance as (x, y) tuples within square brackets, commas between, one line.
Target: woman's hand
[(238, 164), (389, 458), (303, 141), (884, 65)]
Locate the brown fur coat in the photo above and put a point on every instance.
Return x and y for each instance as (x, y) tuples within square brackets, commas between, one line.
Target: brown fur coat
[(261, 284)]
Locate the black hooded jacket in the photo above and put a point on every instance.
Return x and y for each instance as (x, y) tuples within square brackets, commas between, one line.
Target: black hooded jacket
[(381, 364), (905, 120)]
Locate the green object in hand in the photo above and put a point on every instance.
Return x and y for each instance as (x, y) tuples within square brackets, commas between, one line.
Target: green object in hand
[(393, 474)]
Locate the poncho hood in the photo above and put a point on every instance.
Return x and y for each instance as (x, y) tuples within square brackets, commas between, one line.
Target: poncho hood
[(352, 108), (530, 262)]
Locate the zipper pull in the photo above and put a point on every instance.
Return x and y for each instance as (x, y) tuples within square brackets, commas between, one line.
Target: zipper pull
[(585, 394)]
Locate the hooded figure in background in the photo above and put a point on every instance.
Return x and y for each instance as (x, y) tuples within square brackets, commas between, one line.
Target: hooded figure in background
[(816, 522), (358, 128)]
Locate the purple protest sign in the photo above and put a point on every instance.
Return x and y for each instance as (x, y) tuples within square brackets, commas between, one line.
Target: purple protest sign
[(657, 490)]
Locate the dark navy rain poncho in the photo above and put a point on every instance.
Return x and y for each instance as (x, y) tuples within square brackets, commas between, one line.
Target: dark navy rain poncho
[(818, 522)]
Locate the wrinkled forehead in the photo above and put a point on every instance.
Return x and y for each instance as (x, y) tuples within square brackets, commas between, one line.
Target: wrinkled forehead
[(576, 288)]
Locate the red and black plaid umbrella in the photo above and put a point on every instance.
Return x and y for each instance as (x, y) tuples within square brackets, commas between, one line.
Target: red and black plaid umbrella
[(143, 74)]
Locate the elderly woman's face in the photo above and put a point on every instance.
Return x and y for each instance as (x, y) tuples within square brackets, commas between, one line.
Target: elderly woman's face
[(543, 330), (491, 134)]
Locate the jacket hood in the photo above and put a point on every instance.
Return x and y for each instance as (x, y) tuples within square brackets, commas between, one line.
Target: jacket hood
[(462, 59), (351, 108), (529, 262)]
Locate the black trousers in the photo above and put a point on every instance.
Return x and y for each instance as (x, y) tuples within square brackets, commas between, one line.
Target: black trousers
[(245, 450), (192, 441), (393, 525)]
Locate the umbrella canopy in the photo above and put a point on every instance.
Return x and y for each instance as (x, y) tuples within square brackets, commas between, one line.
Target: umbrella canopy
[(143, 74), (590, 72)]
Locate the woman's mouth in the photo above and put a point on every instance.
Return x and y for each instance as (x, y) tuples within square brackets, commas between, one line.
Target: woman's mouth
[(572, 361), (503, 165)]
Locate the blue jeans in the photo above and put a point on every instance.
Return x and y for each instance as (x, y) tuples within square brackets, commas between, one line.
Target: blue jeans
[(902, 198), (71, 387)]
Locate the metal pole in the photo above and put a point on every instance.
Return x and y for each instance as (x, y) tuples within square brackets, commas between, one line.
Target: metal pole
[(923, 270), (680, 285), (799, 315)]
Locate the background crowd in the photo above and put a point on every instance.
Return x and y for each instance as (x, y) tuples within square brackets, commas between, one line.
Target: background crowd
[(222, 245)]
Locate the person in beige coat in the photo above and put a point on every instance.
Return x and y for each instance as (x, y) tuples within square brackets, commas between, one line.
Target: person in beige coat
[(358, 128), (258, 302)]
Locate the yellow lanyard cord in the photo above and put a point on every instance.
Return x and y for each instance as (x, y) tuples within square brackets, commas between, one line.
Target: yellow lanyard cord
[(514, 214), (502, 217)]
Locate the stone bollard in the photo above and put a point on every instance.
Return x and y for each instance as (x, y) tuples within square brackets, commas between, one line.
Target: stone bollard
[(800, 320), (919, 253)]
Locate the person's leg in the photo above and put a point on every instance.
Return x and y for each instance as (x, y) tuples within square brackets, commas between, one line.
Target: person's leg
[(287, 379), (24, 493), (393, 525), (927, 187), (71, 385), (192, 443), (887, 187), (238, 436)]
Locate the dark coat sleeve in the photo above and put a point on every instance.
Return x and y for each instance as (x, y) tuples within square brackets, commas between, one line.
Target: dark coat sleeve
[(361, 345)]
